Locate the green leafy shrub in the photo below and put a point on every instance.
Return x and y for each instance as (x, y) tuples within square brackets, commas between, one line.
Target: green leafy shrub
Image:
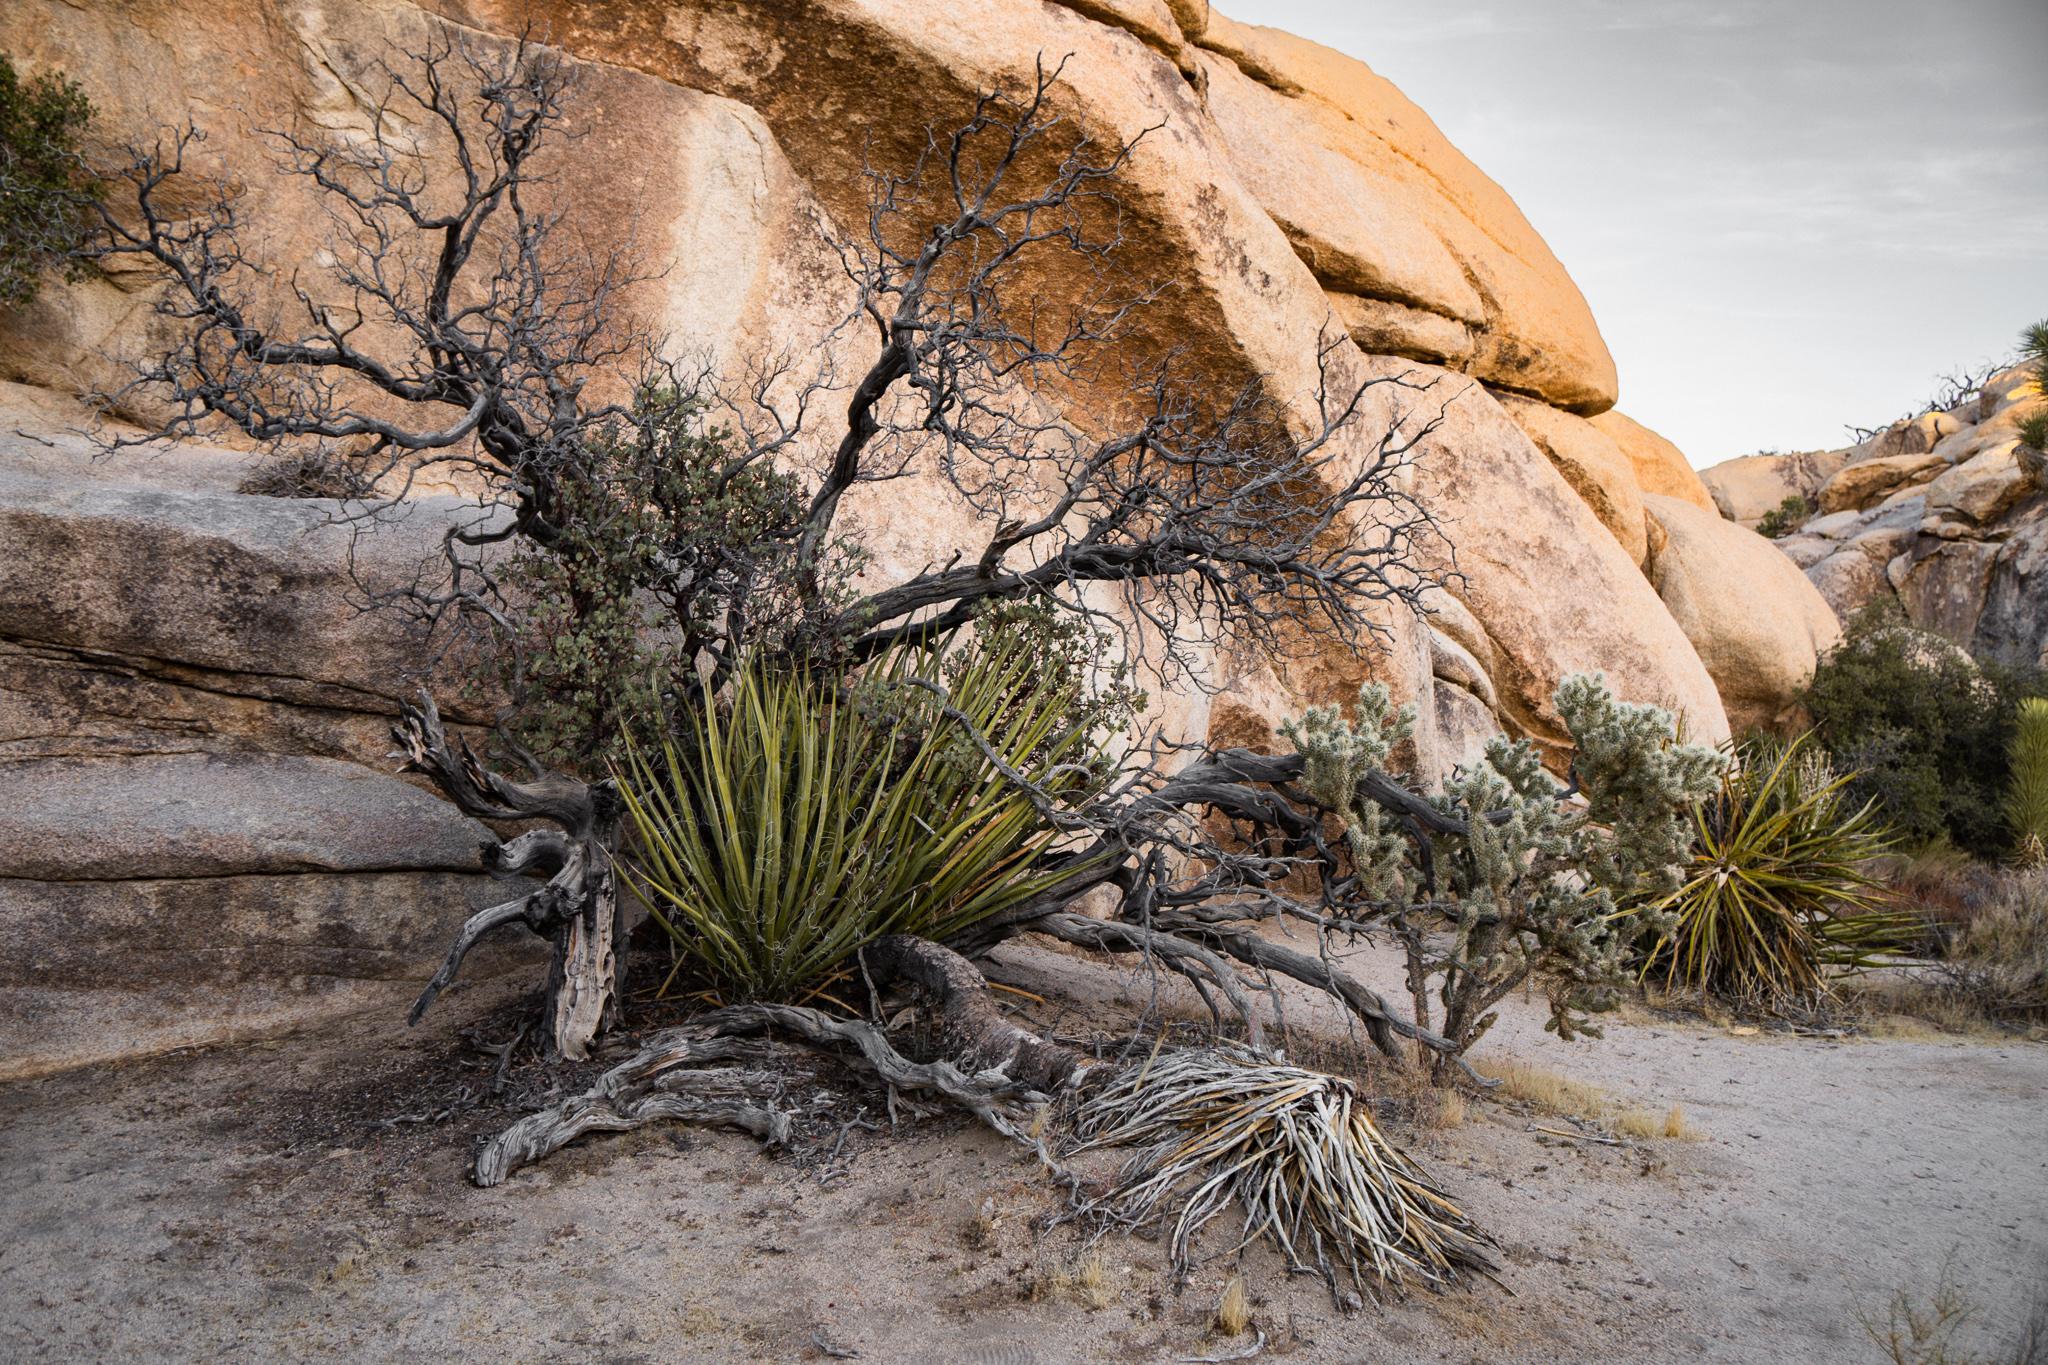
[(662, 526), (2026, 799), (1922, 728), (1779, 888), (778, 835), (1787, 517), (43, 187)]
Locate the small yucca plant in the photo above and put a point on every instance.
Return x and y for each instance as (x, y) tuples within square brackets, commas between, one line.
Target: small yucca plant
[(809, 816), (2026, 799), (1779, 889)]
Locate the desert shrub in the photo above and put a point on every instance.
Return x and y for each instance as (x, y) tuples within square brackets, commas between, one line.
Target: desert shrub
[(1922, 728), (2026, 798), (663, 534), (1517, 880), (1942, 888), (1779, 889), (779, 834), (1997, 961), (1944, 1328), (1787, 517), (43, 187)]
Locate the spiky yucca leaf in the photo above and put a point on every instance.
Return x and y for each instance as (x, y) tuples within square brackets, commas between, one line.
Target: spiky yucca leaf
[(2026, 799), (1779, 888), (1297, 1149), (778, 835)]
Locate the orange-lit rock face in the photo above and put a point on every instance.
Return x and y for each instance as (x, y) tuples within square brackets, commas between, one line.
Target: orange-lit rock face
[(1278, 191)]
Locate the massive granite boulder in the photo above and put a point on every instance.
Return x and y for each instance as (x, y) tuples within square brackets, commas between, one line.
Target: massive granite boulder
[(1757, 623), (1746, 488), (163, 900), (1422, 254), (1283, 194), (1550, 591), (1660, 467)]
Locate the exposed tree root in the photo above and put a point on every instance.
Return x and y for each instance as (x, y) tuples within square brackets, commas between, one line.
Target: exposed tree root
[(994, 1069), (720, 1096), (1297, 1149)]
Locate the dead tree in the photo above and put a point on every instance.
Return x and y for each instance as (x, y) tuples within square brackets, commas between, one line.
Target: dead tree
[(470, 336)]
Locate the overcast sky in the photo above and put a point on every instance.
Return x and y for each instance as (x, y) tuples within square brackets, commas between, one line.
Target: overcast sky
[(1786, 216)]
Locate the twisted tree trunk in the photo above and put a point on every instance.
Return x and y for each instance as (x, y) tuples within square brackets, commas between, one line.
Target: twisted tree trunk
[(577, 909)]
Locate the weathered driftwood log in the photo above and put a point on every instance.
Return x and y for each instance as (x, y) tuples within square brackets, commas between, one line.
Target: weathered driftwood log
[(577, 909)]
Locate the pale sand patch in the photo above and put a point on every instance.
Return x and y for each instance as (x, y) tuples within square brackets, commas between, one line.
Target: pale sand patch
[(241, 1205)]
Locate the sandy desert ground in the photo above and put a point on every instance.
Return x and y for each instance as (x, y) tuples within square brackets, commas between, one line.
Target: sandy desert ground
[(260, 1203)]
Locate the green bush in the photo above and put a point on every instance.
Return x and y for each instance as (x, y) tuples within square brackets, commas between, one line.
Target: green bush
[(812, 815), (42, 182), (1779, 887), (1923, 728), (1787, 517), (2026, 799), (659, 509)]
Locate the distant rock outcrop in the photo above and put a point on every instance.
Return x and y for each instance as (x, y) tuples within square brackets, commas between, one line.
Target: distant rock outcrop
[(1937, 513)]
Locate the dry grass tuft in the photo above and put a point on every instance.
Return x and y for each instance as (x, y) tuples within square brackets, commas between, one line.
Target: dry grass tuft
[(1085, 1282), (1677, 1129), (1234, 1311), (1644, 1124), (1449, 1111), (1547, 1090), (980, 1232), (1091, 1282), (1559, 1094)]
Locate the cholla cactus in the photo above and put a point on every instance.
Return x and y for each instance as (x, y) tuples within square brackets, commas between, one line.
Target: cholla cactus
[(1520, 875), (1337, 755)]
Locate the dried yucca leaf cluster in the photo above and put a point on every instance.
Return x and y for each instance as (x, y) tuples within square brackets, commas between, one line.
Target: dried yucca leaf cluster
[(1296, 1148)]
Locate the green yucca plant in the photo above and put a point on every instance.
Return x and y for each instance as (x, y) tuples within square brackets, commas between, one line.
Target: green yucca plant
[(780, 833), (2026, 799), (1778, 890)]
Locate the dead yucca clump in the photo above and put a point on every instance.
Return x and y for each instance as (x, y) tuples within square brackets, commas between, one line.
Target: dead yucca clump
[(1298, 1149)]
